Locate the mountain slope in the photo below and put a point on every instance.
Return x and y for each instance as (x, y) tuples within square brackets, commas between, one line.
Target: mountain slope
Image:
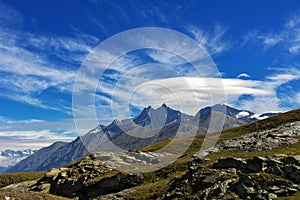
[(147, 128)]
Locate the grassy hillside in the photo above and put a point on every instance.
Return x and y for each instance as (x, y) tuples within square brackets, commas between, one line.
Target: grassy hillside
[(12, 178), (22, 195)]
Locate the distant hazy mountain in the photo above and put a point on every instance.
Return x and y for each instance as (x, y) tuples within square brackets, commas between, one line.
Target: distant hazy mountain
[(148, 127), (35, 161), (10, 157)]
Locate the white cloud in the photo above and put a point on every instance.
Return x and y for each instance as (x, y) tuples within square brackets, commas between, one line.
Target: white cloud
[(35, 133), (297, 97), (27, 70), (30, 139), (288, 37), (243, 75), (213, 41), (9, 17), (191, 93)]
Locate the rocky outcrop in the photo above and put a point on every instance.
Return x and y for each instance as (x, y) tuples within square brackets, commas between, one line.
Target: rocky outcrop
[(86, 179), (231, 178), (281, 136)]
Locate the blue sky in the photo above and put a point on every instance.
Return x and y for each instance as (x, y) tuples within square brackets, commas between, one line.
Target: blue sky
[(254, 44)]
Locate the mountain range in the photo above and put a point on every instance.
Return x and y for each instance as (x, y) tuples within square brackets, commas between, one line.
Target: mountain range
[(10, 157), (259, 160), (148, 127)]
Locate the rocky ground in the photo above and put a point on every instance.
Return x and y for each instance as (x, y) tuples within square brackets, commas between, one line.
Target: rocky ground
[(269, 139), (227, 178), (235, 178), (283, 135)]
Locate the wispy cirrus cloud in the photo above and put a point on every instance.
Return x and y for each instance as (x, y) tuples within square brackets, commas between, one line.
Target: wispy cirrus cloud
[(213, 41), (275, 100), (7, 14), (268, 40), (287, 37), (30, 139), (263, 93), (35, 133), (31, 64)]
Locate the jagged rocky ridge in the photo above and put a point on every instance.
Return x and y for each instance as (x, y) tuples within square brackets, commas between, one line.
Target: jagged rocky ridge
[(61, 154)]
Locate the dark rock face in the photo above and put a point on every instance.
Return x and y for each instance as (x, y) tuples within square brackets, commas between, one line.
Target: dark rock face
[(231, 178), (86, 179), (230, 163)]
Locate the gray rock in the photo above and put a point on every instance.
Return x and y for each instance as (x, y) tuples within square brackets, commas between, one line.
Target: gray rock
[(212, 178), (268, 139)]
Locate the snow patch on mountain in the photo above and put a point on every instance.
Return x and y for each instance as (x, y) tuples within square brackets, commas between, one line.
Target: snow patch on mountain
[(265, 115), (242, 114), (259, 116)]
